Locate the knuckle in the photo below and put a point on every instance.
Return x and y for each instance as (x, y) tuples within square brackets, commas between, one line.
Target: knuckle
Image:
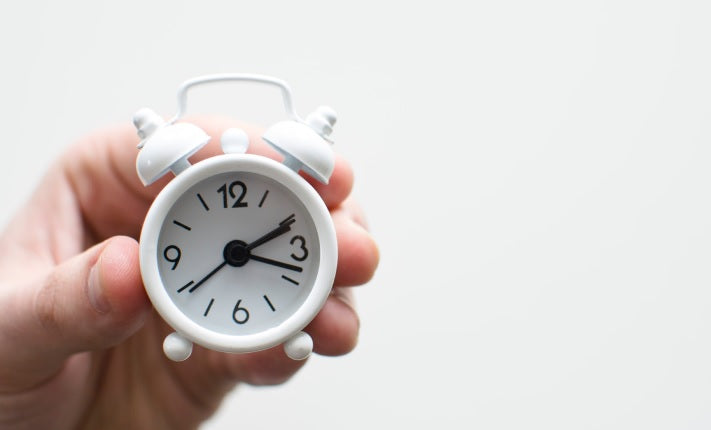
[(370, 256), (45, 305)]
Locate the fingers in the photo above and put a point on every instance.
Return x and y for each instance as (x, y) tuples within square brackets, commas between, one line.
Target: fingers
[(92, 301), (101, 169), (340, 185), (358, 254), (335, 328)]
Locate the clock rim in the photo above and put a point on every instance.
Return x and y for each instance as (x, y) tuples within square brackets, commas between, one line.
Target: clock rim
[(158, 294)]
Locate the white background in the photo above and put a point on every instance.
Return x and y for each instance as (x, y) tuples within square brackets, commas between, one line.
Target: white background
[(536, 173)]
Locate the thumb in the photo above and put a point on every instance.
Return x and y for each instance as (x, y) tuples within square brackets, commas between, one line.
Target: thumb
[(91, 301)]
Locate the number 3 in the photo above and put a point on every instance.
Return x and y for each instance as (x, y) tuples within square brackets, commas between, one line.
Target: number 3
[(302, 246)]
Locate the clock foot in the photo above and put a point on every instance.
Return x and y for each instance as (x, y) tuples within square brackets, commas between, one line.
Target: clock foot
[(176, 347), (299, 347)]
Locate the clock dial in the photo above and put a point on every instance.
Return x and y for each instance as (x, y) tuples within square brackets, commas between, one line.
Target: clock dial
[(238, 253)]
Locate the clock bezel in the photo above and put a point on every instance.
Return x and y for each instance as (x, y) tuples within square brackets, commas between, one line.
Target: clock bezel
[(157, 292)]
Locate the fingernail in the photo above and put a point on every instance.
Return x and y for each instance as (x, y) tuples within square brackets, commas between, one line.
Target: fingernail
[(95, 293), (347, 298)]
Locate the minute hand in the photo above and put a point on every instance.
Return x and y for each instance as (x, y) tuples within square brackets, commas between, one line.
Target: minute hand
[(284, 226)]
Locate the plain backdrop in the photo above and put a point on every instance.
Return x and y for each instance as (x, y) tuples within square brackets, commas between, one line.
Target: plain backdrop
[(536, 173)]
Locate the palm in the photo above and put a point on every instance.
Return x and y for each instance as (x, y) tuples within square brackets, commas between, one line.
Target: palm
[(124, 378), (170, 395)]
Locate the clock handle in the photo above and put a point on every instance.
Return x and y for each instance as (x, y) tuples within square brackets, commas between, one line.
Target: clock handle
[(305, 144), (243, 77)]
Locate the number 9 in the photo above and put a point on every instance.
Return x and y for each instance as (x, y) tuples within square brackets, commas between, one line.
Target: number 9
[(175, 259)]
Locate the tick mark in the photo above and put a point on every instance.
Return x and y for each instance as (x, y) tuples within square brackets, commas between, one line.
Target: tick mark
[(180, 224), (263, 198), (203, 202), (269, 303), (208, 307), (180, 290), (289, 279)]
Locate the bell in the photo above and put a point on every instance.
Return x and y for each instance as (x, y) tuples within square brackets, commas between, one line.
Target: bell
[(305, 145), (164, 147)]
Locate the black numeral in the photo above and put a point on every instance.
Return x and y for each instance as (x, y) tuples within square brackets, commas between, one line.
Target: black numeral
[(302, 245), (224, 190), (167, 252), (240, 312)]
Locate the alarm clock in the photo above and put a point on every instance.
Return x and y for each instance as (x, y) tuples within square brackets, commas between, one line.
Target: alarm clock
[(238, 252)]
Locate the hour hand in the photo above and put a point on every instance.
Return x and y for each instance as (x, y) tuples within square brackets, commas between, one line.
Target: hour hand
[(276, 263), (284, 226)]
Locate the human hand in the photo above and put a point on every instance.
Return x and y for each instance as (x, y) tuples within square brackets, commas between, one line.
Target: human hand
[(81, 347)]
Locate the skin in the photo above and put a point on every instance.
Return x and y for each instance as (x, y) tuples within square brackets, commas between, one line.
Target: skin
[(80, 344)]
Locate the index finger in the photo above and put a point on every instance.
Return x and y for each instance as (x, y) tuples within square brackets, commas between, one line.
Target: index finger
[(113, 201)]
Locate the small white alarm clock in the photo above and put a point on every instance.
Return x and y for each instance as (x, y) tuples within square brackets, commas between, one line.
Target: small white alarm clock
[(238, 252)]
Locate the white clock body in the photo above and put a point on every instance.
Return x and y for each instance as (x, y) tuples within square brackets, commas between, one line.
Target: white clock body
[(200, 275)]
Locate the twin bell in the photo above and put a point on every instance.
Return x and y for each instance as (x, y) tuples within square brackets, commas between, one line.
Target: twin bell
[(166, 146)]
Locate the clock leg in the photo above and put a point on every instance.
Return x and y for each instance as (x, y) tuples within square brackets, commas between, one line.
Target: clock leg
[(299, 347), (176, 347)]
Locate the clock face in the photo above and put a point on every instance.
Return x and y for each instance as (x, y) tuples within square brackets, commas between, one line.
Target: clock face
[(238, 253)]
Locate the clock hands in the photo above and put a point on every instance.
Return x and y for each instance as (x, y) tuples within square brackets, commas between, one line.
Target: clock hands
[(276, 263), (237, 253), (208, 276), (284, 226)]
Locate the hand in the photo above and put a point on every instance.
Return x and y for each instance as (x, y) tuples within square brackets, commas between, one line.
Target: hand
[(81, 347)]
